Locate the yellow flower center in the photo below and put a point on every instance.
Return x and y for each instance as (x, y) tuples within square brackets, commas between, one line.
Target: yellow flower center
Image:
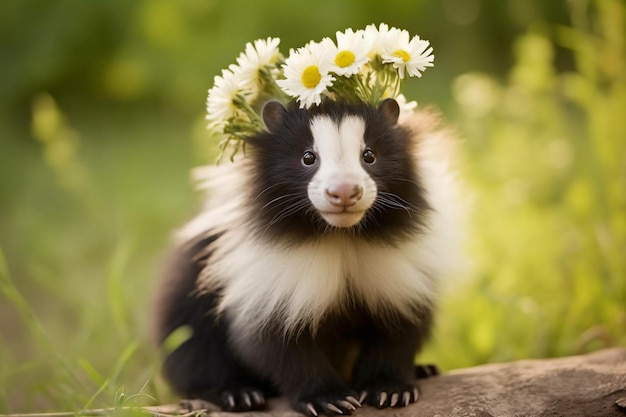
[(402, 54), (344, 59), (311, 76)]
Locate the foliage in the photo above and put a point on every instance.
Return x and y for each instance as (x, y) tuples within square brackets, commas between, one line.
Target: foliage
[(101, 117), (545, 158)]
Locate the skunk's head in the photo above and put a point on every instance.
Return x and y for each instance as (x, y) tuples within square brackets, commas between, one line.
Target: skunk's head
[(333, 169)]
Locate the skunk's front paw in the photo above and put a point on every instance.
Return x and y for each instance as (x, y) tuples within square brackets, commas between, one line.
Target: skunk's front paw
[(330, 404), (426, 371), (242, 399), (389, 395)]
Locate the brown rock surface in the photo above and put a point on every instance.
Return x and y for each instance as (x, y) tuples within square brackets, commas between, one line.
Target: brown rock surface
[(586, 385)]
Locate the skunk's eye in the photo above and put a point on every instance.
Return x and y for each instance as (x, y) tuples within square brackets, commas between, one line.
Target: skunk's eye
[(308, 158), (368, 156)]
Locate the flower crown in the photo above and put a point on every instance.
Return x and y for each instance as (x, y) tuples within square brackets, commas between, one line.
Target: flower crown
[(362, 66)]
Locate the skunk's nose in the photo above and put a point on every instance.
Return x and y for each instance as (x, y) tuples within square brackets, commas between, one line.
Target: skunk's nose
[(343, 194)]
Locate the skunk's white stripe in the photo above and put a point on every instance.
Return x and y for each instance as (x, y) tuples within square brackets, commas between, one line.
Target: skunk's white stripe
[(434, 154), (339, 149)]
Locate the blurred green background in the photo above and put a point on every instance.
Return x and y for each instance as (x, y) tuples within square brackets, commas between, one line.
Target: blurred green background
[(102, 117)]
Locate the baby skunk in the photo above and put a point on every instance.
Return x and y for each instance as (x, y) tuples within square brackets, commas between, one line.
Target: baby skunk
[(311, 271)]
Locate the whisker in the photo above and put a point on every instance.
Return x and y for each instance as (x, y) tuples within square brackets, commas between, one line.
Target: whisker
[(410, 182), (277, 199), (288, 211), (395, 207), (267, 189), (392, 200), (282, 206)]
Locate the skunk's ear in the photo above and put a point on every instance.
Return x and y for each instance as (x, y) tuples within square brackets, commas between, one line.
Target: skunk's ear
[(273, 114), (390, 110)]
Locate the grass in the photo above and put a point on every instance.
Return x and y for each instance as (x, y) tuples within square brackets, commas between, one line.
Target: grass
[(84, 257)]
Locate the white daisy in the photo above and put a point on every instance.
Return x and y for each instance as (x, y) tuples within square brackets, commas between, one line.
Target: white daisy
[(412, 57), (307, 74), (220, 102), (255, 58), (350, 54), (379, 38)]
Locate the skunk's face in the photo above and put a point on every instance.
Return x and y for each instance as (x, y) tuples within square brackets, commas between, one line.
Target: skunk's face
[(338, 167)]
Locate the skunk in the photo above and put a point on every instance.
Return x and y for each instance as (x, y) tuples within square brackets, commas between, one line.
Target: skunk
[(312, 270)]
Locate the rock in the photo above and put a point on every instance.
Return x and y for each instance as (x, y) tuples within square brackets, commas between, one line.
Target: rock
[(586, 385)]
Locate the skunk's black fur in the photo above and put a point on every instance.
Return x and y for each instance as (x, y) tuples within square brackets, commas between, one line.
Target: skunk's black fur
[(358, 350)]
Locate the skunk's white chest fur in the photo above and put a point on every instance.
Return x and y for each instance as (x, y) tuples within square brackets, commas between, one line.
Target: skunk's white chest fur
[(302, 284), (262, 282)]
